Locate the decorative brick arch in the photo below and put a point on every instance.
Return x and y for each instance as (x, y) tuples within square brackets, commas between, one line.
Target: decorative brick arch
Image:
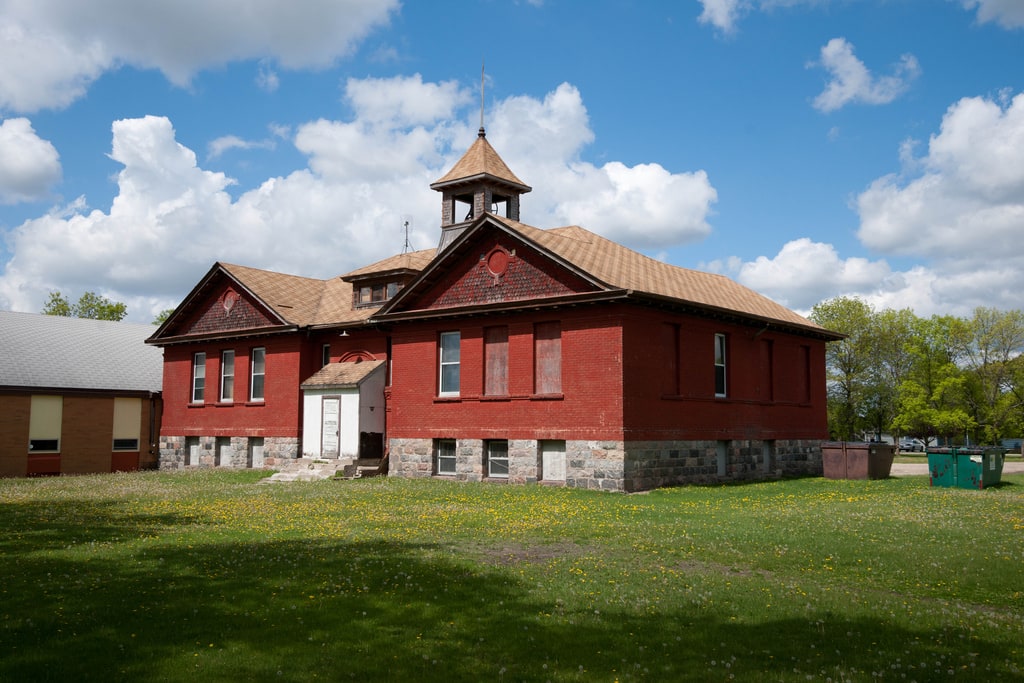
[(356, 356)]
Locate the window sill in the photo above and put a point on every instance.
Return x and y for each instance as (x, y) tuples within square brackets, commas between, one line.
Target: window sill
[(547, 397), (255, 404), (196, 405)]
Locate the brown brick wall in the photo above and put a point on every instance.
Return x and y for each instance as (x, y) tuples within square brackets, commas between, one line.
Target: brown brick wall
[(14, 413)]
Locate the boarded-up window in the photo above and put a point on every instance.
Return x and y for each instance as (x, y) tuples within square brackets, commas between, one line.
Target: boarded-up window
[(127, 423), (767, 370), (547, 343), (496, 361), (44, 424), (670, 359), (804, 374)]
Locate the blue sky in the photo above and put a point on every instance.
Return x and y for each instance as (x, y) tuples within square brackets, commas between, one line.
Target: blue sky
[(806, 148)]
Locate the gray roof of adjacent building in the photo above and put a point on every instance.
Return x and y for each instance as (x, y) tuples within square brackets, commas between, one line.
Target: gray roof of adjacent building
[(55, 352)]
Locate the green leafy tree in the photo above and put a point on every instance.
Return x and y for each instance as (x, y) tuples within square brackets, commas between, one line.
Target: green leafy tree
[(996, 339), (848, 363), (162, 316), (89, 305), (889, 337), (933, 394)]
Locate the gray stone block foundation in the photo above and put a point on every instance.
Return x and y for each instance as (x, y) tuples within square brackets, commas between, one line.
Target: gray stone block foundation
[(176, 452), (622, 466)]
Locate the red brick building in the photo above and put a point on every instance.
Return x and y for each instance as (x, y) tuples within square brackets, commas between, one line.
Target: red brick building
[(515, 353)]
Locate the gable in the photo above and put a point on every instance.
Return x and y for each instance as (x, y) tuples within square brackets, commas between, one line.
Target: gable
[(228, 308), (496, 268)]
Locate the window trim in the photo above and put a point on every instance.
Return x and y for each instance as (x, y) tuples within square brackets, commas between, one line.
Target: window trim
[(491, 459), (198, 377), (262, 351), (325, 355), (721, 366), (227, 372), (446, 457), (442, 364)]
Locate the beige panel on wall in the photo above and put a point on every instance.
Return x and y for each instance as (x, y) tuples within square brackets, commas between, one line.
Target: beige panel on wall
[(127, 418), (45, 419)]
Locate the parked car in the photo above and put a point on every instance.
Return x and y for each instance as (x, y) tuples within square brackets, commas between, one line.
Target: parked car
[(913, 445)]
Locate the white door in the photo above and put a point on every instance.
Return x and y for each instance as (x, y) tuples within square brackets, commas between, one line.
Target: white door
[(330, 432), (224, 451), (552, 460), (192, 444)]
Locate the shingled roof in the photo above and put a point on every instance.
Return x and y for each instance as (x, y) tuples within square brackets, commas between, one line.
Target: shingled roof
[(480, 161), (615, 268), (342, 375), (58, 353)]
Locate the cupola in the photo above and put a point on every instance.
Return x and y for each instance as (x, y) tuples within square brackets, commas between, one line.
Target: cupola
[(479, 183)]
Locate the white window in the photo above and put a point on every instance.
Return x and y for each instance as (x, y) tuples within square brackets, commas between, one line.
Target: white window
[(259, 369), (444, 456), (44, 422), (449, 362), (227, 376), (497, 459), (198, 377), (720, 385)]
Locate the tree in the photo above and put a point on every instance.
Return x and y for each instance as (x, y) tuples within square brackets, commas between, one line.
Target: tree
[(996, 339), (89, 305), (848, 363), (162, 316), (933, 396)]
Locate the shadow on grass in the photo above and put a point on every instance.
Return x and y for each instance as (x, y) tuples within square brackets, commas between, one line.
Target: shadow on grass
[(297, 611)]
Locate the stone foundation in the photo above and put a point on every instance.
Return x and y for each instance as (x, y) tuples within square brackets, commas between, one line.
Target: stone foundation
[(621, 466), (175, 452)]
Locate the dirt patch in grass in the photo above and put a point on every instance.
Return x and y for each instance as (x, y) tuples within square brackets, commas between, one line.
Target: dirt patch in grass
[(513, 553)]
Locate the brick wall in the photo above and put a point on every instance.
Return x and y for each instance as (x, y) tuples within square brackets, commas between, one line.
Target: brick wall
[(14, 416)]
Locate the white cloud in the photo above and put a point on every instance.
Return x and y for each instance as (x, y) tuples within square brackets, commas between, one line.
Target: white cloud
[(29, 165), (967, 203), (225, 143), (805, 272), (960, 207), (851, 82), (171, 219), (52, 50), (723, 14), (1007, 13)]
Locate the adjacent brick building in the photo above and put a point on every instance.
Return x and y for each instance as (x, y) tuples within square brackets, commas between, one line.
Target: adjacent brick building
[(76, 396), (511, 353)]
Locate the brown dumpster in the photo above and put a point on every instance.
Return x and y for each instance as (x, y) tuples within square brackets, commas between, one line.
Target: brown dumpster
[(857, 459)]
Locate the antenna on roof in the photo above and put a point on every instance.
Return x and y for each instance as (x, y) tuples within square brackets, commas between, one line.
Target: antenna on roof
[(407, 246), (481, 133)]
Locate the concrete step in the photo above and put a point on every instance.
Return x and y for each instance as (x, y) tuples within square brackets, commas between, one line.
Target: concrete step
[(309, 469)]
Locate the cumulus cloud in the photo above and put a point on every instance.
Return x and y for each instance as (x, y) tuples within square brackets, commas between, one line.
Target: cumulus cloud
[(52, 50), (967, 202), (959, 207), (171, 219), (725, 14), (851, 82), (29, 165), (1007, 13)]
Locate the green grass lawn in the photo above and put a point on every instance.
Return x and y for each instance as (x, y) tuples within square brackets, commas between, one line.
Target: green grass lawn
[(211, 576)]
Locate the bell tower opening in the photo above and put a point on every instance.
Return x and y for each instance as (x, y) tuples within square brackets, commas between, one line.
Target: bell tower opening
[(480, 183)]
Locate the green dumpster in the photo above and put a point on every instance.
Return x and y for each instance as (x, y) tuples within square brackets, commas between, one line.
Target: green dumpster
[(942, 464), (977, 468)]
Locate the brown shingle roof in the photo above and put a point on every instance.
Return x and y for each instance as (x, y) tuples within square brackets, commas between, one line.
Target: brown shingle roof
[(619, 267), (480, 160), (413, 260), (342, 374), (294, 298)]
